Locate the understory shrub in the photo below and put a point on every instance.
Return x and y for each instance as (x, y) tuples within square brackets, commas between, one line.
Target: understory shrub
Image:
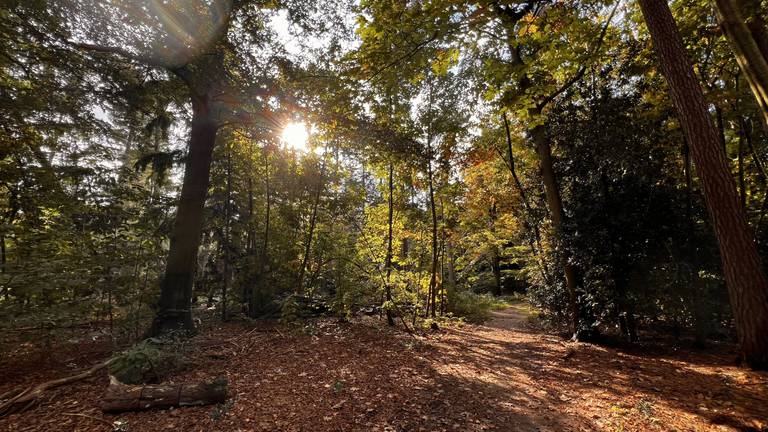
[(475, 308), (149, 361)]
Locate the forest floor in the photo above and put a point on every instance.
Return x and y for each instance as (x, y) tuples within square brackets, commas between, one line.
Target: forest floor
[(362, 376)]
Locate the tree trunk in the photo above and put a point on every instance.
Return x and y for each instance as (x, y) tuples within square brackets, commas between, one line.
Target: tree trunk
[(433, 276), (173, 312), (555, 202), (311, 233), (531, 227), (227, 235), (250, 241), (496, 267), (535, 243), (450, 263), (263, 256), (747, 285), (3, 258), (388, 259), (751, 10), (749, 56), (442, 258), (121, 397), (268, 191), (687, 166), (742, 183), (721, 129), (495, 256)]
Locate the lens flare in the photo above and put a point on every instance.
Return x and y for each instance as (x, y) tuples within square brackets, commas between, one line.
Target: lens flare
[(170, 32), (295, 136)]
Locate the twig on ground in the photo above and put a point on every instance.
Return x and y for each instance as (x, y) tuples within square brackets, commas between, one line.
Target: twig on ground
[(29, 396)]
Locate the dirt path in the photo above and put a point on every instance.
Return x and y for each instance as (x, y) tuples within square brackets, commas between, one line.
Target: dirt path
[(502, 376), (529, 381), (512, 318)]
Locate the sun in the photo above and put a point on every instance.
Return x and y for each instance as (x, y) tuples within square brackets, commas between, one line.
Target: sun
[(295, 136)]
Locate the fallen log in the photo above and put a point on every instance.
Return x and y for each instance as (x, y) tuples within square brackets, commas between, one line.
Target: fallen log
[(121, 397)]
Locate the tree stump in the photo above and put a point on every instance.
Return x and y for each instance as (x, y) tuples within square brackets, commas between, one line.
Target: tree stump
[(121, 397)]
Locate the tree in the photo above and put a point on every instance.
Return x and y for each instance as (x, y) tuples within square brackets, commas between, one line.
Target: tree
[(747, 285), (388, 258), (217, 95), (750, 55)]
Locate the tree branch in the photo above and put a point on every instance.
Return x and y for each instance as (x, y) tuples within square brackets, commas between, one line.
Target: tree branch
[(583, 69)]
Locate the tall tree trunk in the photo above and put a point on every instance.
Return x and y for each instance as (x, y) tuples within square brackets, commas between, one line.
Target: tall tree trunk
[(388, 259), (227, 235), (751, 59), (3, 257), (721, 129), (495, 255), (443, 248), (687, 166), (752, 11), (747, 285), (535, 243), (555, 203), (174, 307), (742, 183), (250, 242), (531, 227), (496, 268), (450, 263), (268, 191), (441, 291), (433, 275), (311, 233)]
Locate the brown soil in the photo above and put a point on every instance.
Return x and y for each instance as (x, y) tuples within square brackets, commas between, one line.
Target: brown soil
[(502, 376)]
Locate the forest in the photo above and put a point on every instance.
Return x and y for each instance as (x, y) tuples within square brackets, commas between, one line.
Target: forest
[(383, 215)]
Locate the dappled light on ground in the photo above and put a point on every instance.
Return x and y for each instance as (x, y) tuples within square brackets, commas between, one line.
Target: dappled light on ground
[(502, 376)]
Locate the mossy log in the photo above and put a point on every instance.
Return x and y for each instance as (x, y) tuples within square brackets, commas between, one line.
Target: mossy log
[(121, 397)]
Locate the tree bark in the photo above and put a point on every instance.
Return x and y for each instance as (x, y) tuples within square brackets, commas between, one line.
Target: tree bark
[(742, 183), (174, 307), (267, 210), (442, 258), (494, 256), (496, 268), (264, 253), (721, 128), (747, 285), (450, 263), (227, 235), (121, 397), (535, 243), (311, 233), (3, 258), (388, 259), (433, 276), (555, 203), (531, 227)]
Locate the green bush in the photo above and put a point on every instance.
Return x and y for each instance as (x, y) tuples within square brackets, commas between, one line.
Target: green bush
[(475, 308), (297, 308), (146, 362)]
